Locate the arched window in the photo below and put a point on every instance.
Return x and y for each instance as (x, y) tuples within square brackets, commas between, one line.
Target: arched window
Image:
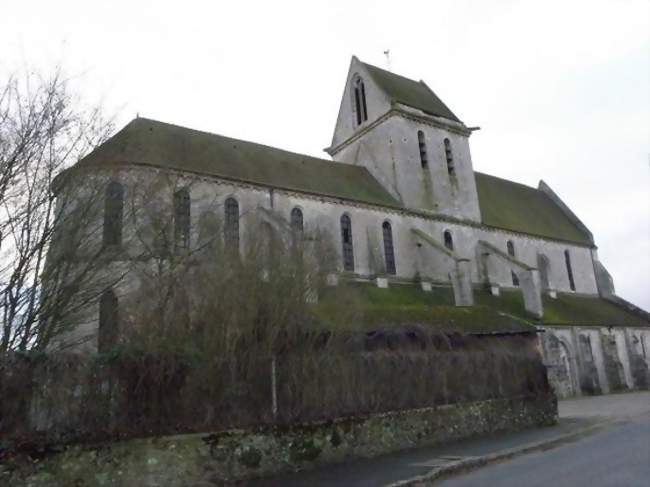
[(515, 279), (450, 158), (389, 251), (296, 221), (182, 218), (360, 107), (511, 252), (569, 270), (423, 150), (231, 227), (113, 214), (108, 316), (449, 240), (544, 266), (346, 243)]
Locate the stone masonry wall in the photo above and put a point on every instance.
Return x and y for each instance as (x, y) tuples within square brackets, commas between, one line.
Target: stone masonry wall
[(612, 364), (596, 360), (236, 454)]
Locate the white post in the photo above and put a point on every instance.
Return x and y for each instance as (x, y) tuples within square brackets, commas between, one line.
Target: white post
[(274, 391)]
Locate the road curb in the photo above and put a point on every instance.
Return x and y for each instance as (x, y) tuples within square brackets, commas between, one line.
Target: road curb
[(471, 463)]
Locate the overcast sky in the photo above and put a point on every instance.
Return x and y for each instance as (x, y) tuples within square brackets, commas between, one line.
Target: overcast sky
[(560, 89)]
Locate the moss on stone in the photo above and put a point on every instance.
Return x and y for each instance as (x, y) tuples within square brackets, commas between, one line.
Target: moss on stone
[(250, 457), (408, 304), (182, 460), (588, 310), (335, 438), (364, 306), (304, 449)]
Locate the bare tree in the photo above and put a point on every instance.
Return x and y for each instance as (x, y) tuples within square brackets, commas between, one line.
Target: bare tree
[(237, 297), (44, 129)]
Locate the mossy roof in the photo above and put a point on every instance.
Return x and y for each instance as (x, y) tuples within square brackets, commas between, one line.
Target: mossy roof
[(153, 143), (566, 309), (585, 310), (415, 94), (365, 306), (520, 208)]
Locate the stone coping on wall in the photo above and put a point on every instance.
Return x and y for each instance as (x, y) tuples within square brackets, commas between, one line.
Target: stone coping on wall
[(248, 453)]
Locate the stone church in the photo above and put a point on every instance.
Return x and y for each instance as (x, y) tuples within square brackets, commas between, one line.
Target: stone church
[(401, 184)]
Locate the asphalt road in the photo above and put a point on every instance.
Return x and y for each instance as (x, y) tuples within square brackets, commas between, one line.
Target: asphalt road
[(618, 456)]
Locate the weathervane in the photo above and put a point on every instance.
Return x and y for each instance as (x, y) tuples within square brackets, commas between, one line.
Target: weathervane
[(387, 54)]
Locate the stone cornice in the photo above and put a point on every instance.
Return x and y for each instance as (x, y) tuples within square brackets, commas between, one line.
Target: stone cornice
[(400, 111), (323, 198)]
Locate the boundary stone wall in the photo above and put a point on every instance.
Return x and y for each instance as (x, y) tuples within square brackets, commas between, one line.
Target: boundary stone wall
[(198, 459)]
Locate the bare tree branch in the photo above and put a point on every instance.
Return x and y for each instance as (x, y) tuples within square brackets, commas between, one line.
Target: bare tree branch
[(44, 129)]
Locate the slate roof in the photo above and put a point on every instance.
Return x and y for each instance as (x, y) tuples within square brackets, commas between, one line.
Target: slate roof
[(152, 143), (520, 208), (415, 94)]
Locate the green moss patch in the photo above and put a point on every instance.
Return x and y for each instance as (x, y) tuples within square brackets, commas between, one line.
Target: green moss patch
[(357, 306), (250, 457), (365, 306), (586, 310)]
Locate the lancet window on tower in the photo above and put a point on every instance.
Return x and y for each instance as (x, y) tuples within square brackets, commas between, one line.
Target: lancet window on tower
[(569, 270), (423, 150), (359, 94), (450, 158)]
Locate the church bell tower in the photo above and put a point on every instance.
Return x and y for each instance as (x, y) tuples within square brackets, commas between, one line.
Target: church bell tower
[(408, 139)]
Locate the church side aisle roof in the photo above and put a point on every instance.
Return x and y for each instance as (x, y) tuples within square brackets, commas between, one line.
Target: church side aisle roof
[(152, 143), (568, 309), (513, 206), (364, 306), (415, 94)]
